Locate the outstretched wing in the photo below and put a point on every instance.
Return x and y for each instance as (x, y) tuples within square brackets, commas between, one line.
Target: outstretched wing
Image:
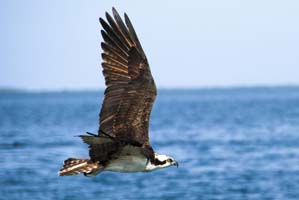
[(131, 90)]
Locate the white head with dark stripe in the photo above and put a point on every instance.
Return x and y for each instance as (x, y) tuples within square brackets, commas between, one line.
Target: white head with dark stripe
[(161, 161)]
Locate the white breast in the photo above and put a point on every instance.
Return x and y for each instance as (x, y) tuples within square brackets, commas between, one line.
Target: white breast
[(127, 163)]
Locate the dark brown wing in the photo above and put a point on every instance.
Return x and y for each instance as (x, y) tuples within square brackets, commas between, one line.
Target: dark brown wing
[(131, 90)]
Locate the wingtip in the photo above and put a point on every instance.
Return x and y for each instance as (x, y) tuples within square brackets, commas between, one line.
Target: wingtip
[(127, 19), (115, 13), (114, 10), (108, 16), (126, 16), (101, 20)]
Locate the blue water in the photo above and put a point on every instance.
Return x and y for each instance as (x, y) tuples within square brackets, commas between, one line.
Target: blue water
[(230, 143)]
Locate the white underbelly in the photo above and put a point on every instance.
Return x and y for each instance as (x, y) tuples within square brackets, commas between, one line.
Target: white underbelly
[(127, 164)]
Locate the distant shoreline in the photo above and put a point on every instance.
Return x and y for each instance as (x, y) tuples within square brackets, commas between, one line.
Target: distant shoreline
[(212, 88)]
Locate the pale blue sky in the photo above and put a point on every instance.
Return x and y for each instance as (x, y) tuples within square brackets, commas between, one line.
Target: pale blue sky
[(55, 44)]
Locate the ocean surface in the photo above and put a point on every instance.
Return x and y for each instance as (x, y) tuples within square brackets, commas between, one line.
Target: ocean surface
[(234, 144)]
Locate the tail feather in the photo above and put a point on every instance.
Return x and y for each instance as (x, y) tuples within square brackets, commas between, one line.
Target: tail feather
[(73, 166)]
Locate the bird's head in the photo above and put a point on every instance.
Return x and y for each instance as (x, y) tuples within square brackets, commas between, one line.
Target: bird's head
[(161, 161)]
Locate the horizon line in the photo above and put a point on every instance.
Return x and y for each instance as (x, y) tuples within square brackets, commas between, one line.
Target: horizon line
[(228, 87)]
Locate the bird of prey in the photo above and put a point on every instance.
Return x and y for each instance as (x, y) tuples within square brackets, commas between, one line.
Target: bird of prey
[(122, 143)]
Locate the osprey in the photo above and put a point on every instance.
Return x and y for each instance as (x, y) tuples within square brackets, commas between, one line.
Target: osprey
[(122, 143)]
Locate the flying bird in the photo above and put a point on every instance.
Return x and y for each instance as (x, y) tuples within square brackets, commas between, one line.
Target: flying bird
[(122, 143)]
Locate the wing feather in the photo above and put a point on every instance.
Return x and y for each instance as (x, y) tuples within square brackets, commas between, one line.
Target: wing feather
[(131, 90), (109, 50), (109, 40), (133, 35), (114, 36), (121, 26)]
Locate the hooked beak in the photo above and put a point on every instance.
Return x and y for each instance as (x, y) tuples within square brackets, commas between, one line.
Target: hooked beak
[(175, 163)]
